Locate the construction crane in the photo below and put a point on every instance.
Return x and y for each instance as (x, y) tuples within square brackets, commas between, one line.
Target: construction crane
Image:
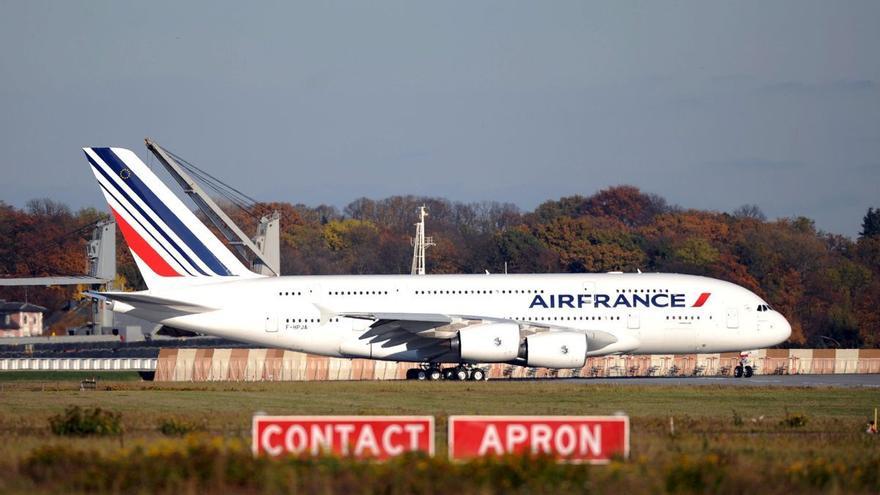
[(263, 249), (420, 243), (101, 255)]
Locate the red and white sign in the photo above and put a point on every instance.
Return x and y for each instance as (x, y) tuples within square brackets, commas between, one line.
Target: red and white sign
[(362, 437), (593, 439)]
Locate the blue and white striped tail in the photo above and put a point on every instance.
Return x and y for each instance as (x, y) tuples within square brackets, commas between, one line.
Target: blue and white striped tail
[(166, 239)]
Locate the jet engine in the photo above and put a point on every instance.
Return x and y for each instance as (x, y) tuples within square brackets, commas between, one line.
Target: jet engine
[(487, 343), (556, 350)]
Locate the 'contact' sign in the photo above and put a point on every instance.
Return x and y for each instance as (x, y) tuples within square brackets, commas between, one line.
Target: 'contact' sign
[(362, 437)]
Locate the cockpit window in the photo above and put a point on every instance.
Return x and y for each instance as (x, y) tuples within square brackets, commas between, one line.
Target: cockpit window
[(764, 307)]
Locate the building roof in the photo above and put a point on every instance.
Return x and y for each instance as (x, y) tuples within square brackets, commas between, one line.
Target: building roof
[(19, 307)]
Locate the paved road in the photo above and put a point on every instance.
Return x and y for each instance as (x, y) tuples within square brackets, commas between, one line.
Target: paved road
[(767, 380)]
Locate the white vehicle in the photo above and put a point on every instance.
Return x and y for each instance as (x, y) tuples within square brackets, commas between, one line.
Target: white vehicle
[(556, 320)]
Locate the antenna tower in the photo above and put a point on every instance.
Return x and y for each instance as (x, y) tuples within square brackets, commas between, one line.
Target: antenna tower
[(420, 242)]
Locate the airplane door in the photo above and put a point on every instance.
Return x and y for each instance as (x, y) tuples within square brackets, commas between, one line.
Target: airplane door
[(271, 323), (732, 318), (632, 320)]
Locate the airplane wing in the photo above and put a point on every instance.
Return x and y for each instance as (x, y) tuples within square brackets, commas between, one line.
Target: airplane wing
[(147, 306), (423, 329)]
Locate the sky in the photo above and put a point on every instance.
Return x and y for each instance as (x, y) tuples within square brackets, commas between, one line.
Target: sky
[(709, 104)]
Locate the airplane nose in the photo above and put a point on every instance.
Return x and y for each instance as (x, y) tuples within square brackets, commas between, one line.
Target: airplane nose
[(783, 327)]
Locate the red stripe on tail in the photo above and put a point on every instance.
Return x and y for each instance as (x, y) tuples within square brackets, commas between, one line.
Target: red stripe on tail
[(144, 250), (702, 299)]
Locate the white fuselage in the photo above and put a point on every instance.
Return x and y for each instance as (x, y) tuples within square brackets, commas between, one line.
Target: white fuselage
[(648, 313)]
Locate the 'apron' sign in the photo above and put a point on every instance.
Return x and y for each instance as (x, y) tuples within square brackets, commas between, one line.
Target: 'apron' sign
[(593, 439), (362, 437)]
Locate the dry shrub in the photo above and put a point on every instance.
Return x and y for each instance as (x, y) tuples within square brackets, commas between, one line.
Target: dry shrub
[(215, 464), (76, 421), (794, 420), (700, 474), (178, 427), (203, 464)]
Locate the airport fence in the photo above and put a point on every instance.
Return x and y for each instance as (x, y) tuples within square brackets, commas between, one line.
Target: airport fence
[(78, 364)]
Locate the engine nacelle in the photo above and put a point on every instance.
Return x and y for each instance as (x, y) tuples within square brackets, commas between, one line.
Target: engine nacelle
[(556, 350), (488, 342)]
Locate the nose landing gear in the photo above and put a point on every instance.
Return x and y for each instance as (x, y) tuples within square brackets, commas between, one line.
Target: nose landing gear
[(743, 371)]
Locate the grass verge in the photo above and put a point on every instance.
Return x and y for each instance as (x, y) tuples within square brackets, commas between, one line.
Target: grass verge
[(726, 440)]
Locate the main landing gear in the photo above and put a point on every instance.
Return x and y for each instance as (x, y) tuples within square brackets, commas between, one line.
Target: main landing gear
[(433, 371)]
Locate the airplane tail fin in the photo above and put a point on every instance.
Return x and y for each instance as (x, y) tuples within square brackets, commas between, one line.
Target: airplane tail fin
[(169, 244)]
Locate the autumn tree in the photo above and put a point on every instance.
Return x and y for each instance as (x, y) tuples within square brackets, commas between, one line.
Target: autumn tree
[(871, 223), (523, 252), (627, 204), (589, 244), (753, 212)]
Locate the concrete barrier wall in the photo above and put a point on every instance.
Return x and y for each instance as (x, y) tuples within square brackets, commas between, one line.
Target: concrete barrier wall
[(281, 365)]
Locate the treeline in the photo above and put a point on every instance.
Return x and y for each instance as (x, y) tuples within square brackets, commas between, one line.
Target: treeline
[(827, 285), (46, 238)]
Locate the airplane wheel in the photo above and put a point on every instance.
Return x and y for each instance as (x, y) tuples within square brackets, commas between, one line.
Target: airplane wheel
[(478, 375), (421, 375), (748, 371), (461, 374), (448, 373), (738, 371), (410, 374), (434, 374)]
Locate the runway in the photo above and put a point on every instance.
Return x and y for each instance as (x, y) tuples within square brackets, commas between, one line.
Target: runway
[(870, 381)]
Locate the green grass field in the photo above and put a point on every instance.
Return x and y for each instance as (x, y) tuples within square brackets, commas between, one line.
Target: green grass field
[(727, 439), (56, 376)]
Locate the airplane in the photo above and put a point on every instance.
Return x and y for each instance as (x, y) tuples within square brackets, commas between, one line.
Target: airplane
[(538, 320)]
